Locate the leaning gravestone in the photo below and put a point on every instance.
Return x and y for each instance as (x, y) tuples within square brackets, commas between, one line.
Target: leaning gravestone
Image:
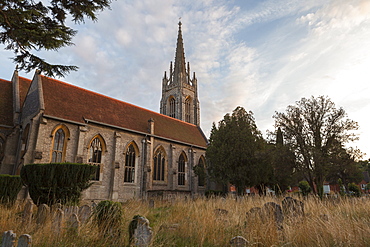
[(274, 211), (27, 212), (140, 231), (292, 208), (24, 241), (238, 241), (73, 224), (8, 239), (43, 214), (69, 211), (84, 213)]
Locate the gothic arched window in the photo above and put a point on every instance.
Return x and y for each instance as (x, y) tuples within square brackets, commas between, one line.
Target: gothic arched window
[(200, 171), (59, 146), (159, 166), (181, 170), (172, 107), (187, 110), (130, 164), (95, 152)]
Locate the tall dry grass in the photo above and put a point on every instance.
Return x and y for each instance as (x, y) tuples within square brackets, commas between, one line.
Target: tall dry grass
[(202, 222)]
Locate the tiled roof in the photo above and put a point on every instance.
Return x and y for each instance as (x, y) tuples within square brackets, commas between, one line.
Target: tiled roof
[(6, 103), (6, 99), (72, 103)]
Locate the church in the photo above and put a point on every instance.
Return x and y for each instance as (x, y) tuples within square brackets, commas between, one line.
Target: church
[(139, 153)]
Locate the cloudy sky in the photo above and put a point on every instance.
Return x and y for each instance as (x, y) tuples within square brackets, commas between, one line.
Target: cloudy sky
[(260, 54)]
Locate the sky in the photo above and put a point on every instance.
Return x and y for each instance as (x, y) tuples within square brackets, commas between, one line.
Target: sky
[(262, 55)]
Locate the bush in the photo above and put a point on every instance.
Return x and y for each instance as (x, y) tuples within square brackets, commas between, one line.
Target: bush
[(10, 185), (108, 217), (354, 189), (304, 187), (57, 182)]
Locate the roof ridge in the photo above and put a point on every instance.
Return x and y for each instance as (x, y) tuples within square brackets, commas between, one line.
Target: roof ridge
[(117, 100)]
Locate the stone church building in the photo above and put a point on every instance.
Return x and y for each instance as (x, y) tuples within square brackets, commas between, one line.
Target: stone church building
[(139, 153)]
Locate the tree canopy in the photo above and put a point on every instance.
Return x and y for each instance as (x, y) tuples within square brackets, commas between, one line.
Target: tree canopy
[(234, 150), (317, 131), (29, 26)]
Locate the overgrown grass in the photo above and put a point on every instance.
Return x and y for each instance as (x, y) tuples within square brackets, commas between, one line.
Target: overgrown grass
[(199, 222)]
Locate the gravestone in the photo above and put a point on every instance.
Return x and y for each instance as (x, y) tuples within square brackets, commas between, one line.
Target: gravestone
[(43, 214), (55, 206), (238, 241), (8, 239), (273, 210), (151, 203), (28, 212), (292, 208), (254, 215), (24, 241), (58, 220), (140, 231), (73, 224), (69, 211), (84, 213)]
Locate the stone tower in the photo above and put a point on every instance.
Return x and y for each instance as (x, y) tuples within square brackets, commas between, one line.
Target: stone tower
[(179, 89)]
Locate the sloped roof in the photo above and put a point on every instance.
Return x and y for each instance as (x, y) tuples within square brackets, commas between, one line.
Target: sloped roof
[(6, 99), (72, 103), (6, 103)]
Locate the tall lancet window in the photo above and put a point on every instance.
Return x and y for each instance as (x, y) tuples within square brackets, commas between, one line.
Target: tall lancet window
[(187, 110), (159, 166), (58, 146), (95, 156), (181, 170), (172, 107), (130, 165)]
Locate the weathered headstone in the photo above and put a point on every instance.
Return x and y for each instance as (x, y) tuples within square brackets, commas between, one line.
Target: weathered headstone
[(27, 212), (273, 210), (24, 241), (140, 231), (43, 214), (8, 239), (253, 215), (69, 211), (55, 206), (292, 208), (151, 203), (58, 220), (84, 213), (73, 224), (238, 241)]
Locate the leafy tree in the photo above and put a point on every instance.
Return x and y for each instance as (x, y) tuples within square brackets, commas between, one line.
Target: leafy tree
[(305, 188), (234, 151), (311, 128), (355, 189), (28, 26)]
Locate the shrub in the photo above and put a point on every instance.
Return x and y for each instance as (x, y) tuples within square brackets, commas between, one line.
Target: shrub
[(354, 189), (57, 182), (108, 216), (10, 185), (304, 187)]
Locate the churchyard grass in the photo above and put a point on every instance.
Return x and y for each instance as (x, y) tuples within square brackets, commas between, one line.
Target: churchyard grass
[(214, 222)]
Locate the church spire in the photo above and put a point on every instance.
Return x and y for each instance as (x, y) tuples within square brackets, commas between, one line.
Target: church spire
[(180, 66)]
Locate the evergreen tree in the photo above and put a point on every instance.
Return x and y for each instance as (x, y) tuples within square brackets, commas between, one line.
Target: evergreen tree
[(235, 151), (29, 26)]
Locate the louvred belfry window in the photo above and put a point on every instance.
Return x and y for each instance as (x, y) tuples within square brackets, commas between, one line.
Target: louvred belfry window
[(173, 107), (187, 110)]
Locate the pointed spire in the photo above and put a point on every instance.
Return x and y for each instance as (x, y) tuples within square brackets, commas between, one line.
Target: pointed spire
[(180, 71)]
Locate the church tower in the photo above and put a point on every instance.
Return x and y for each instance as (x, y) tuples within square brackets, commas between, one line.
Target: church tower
[(179, 89)]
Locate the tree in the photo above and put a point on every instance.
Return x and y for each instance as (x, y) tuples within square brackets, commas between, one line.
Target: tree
[(29, 26), (312, 127), (234, 150)]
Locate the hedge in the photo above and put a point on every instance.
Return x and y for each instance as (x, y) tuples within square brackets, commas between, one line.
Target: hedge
[(57, 182), (10, 185)]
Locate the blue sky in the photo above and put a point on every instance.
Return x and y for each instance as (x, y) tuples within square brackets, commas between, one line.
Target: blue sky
[(262, 55)]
